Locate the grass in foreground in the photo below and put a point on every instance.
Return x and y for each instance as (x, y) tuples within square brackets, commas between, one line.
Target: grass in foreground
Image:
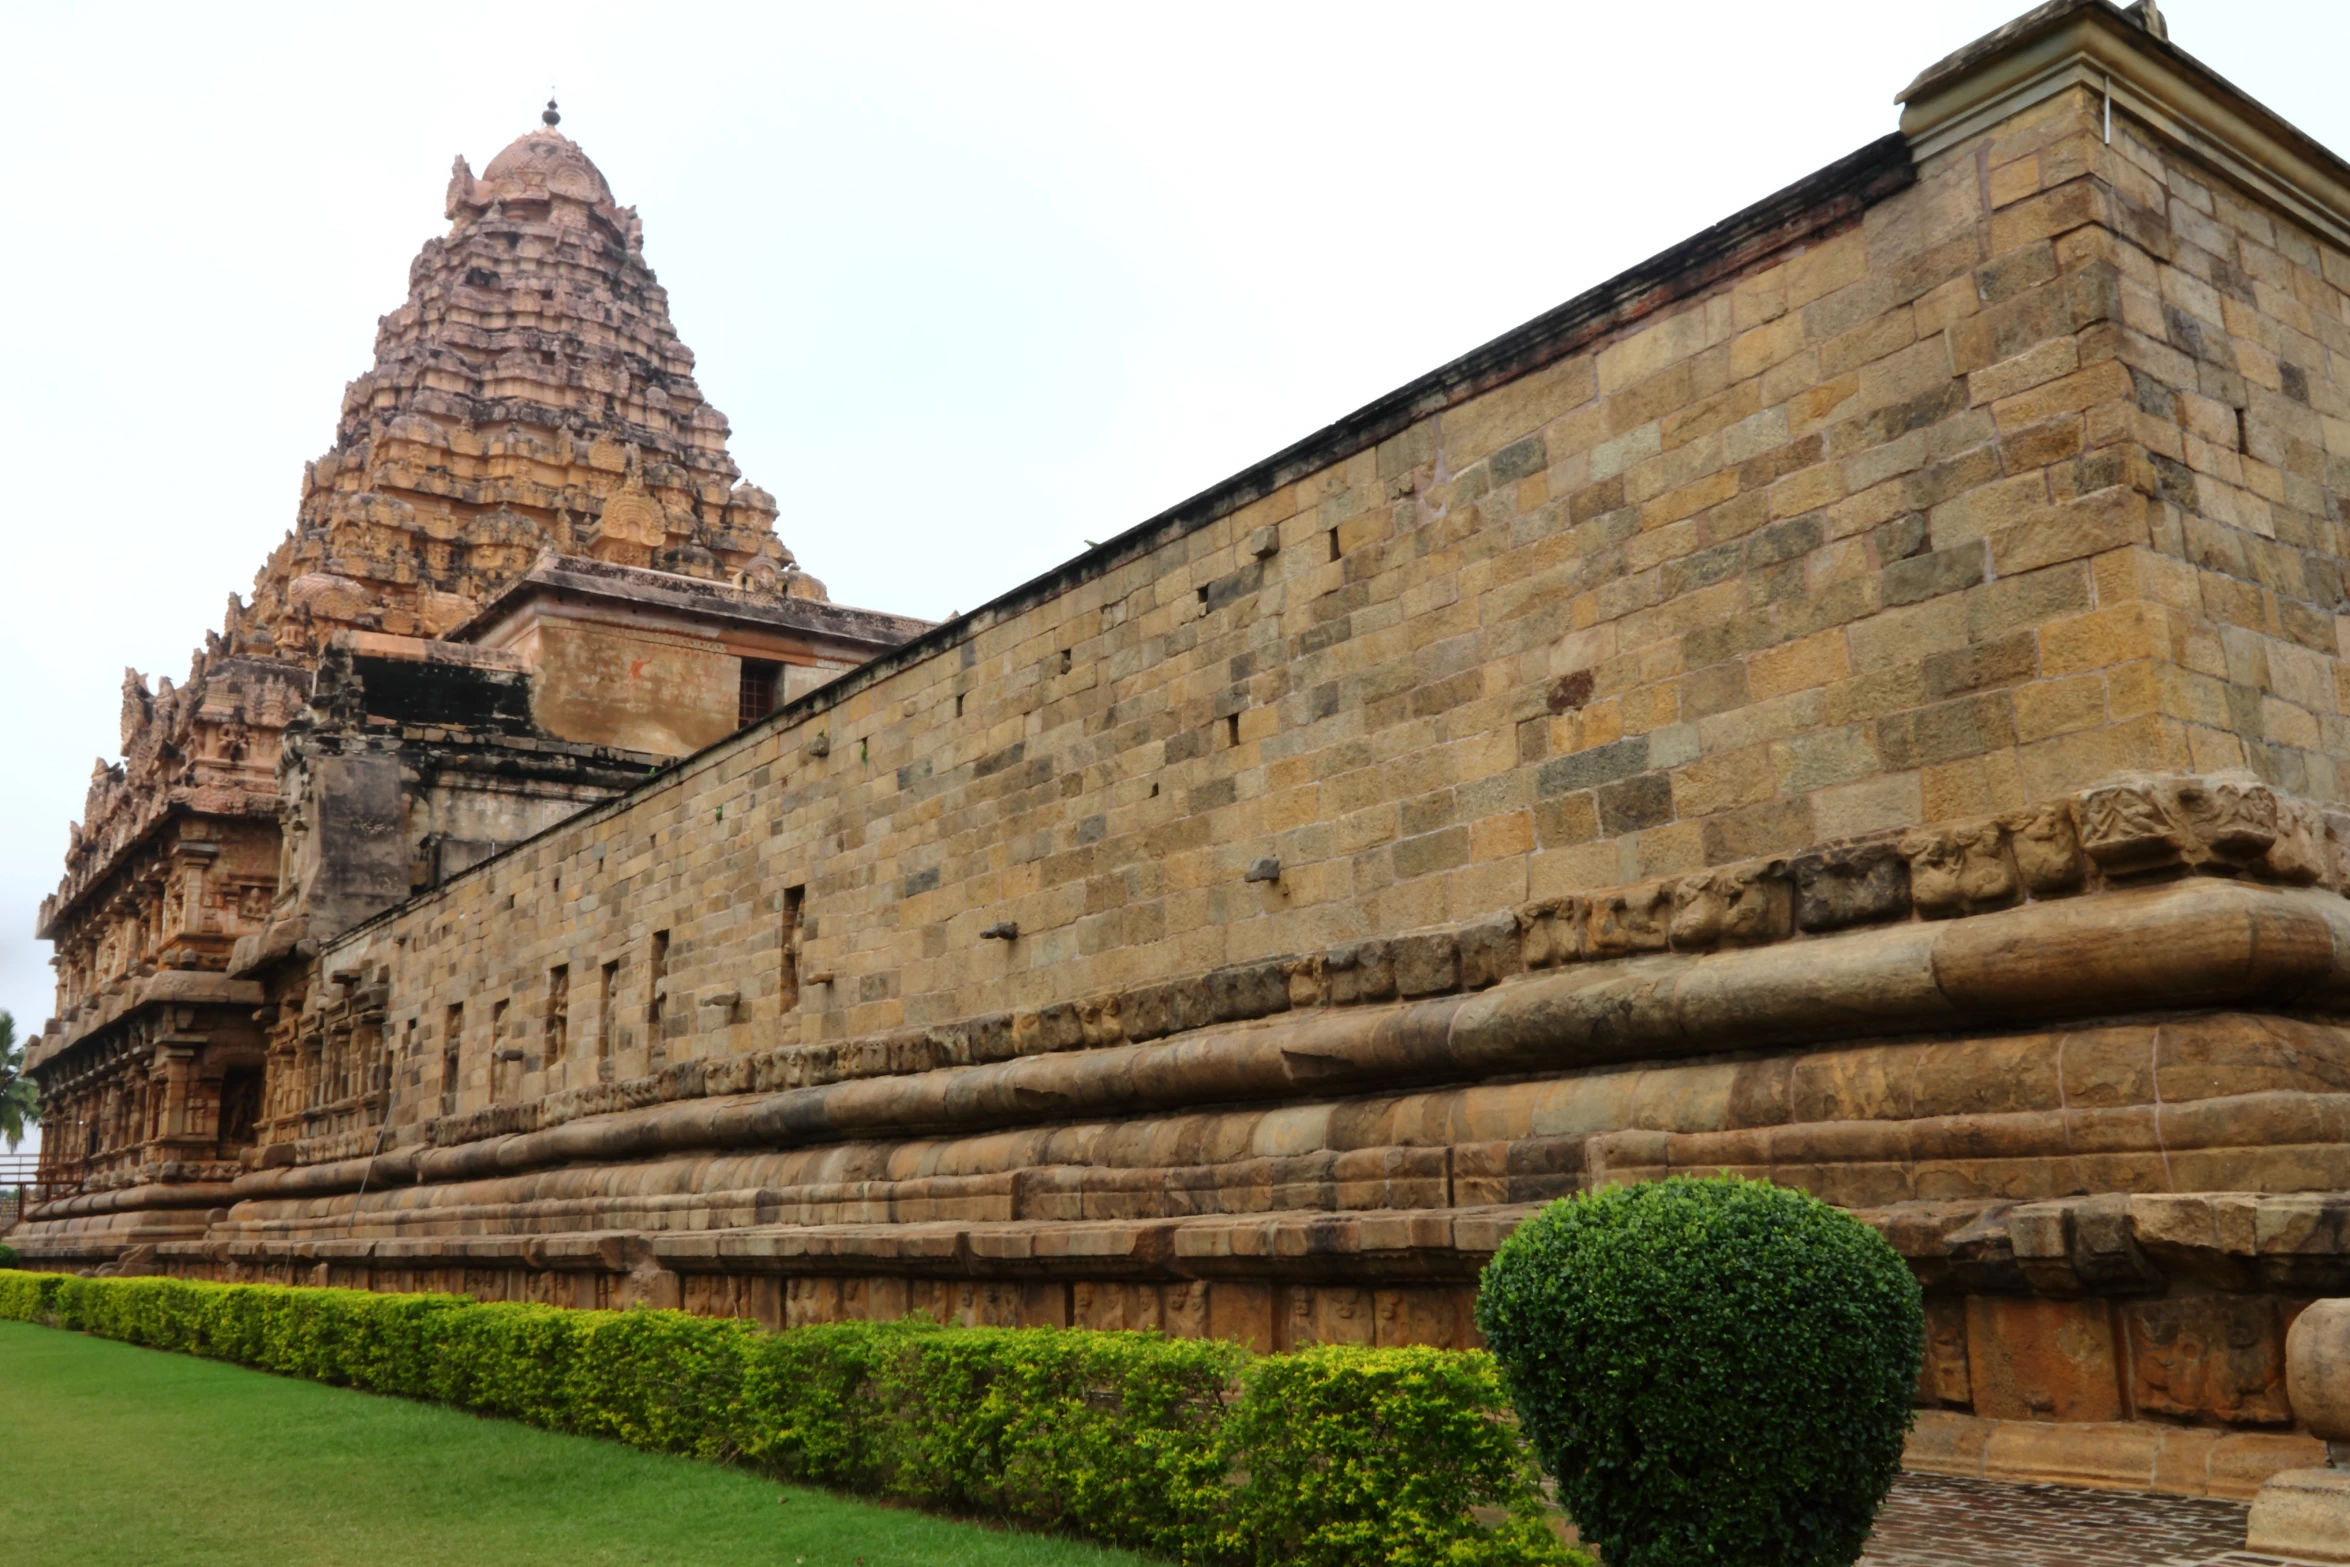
[(111, 1453)]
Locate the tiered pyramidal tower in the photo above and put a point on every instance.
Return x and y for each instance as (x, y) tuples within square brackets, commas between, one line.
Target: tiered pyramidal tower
[(530, 395), (530, 417)]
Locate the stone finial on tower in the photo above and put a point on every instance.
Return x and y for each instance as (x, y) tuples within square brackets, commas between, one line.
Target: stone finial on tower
[(138, 707), (550, 114), (460, 192)]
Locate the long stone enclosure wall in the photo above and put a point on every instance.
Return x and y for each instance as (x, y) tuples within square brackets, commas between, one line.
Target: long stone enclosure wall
[(1887, 528), (1869, 683)]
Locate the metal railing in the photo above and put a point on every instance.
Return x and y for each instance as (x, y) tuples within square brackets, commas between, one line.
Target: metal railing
[(22, 1187)]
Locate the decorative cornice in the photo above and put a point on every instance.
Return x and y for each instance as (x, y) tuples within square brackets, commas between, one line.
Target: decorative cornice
[(2097, 45), (170, 988), (579, 580)]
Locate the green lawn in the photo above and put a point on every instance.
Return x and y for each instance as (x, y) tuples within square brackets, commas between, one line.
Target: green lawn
[(109, 1453)]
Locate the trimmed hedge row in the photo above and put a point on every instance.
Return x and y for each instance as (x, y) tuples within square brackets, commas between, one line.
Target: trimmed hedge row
[(1189, 1449)]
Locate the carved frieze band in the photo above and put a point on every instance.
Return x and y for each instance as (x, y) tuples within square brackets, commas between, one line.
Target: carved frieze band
[(2125, 831)]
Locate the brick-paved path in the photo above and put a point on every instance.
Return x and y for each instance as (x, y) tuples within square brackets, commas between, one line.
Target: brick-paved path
[(1930, 1521)]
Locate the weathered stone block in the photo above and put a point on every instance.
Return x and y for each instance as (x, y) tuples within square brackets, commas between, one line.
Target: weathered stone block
[(1148, 1012), (1960, 870), (1553, 931), (1942, 1374), (1741, 905), (1856, 884), (2135, 826), (2046, 848), (1629, 920), (2030, 1359), (1250, 990), (2302, 1514), (2298, 855), (2237, 821), (1426, 964), (1490, 951), (2216, 1357), (1361, 971)]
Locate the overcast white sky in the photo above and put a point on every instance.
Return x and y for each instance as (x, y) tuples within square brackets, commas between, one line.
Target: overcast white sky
[(974, 283)]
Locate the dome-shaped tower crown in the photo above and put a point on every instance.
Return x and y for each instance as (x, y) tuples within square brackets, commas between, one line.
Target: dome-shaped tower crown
[(541, 166), (545, 160)]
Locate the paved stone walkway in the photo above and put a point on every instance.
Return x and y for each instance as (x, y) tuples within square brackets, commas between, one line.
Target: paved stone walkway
[(1934, 1522)]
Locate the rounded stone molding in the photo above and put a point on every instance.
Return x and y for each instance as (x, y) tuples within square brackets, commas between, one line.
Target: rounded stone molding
[(2317, 1369)]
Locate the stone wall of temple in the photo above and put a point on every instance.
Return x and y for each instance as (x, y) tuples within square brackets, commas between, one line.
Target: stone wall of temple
[(1857, 701), (1919, 525), (529, 402)]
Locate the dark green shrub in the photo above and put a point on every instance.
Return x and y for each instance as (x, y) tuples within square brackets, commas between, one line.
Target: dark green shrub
[(8, 1257), (1378, 1455), (1717, 1371)]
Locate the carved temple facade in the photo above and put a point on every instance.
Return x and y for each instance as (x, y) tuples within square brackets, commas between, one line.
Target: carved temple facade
[(526, 577), (1858, 700)]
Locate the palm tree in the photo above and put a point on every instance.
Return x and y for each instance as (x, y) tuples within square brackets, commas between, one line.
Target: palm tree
[(20, 1102)]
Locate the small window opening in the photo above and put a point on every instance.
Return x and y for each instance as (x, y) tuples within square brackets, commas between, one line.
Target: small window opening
[(788, 981), (498, 1049), (1332, 536), (1232, 729), (557, 1044), (657, 980), (958, 704), (762, 678), (452, 1038), (1068, 659), (607, 986)]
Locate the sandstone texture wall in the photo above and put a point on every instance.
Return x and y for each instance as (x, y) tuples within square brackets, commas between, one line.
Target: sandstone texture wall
[(643, 690), (1857, 701), (1949, 514)]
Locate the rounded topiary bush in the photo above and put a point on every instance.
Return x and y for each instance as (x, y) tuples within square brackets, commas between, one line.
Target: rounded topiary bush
[(1717, 1371)]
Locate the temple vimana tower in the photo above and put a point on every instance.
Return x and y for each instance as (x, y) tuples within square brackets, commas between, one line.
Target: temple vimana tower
[(1858, 700)]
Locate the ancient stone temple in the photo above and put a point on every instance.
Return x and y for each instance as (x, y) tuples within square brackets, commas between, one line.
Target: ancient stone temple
[(1857, 700), (525, 578)]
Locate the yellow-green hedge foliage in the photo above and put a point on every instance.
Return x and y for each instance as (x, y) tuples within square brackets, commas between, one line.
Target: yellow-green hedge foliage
[(1187, 1449)]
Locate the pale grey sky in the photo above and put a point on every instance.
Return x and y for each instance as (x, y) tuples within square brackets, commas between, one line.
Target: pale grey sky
[(974, 283)]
